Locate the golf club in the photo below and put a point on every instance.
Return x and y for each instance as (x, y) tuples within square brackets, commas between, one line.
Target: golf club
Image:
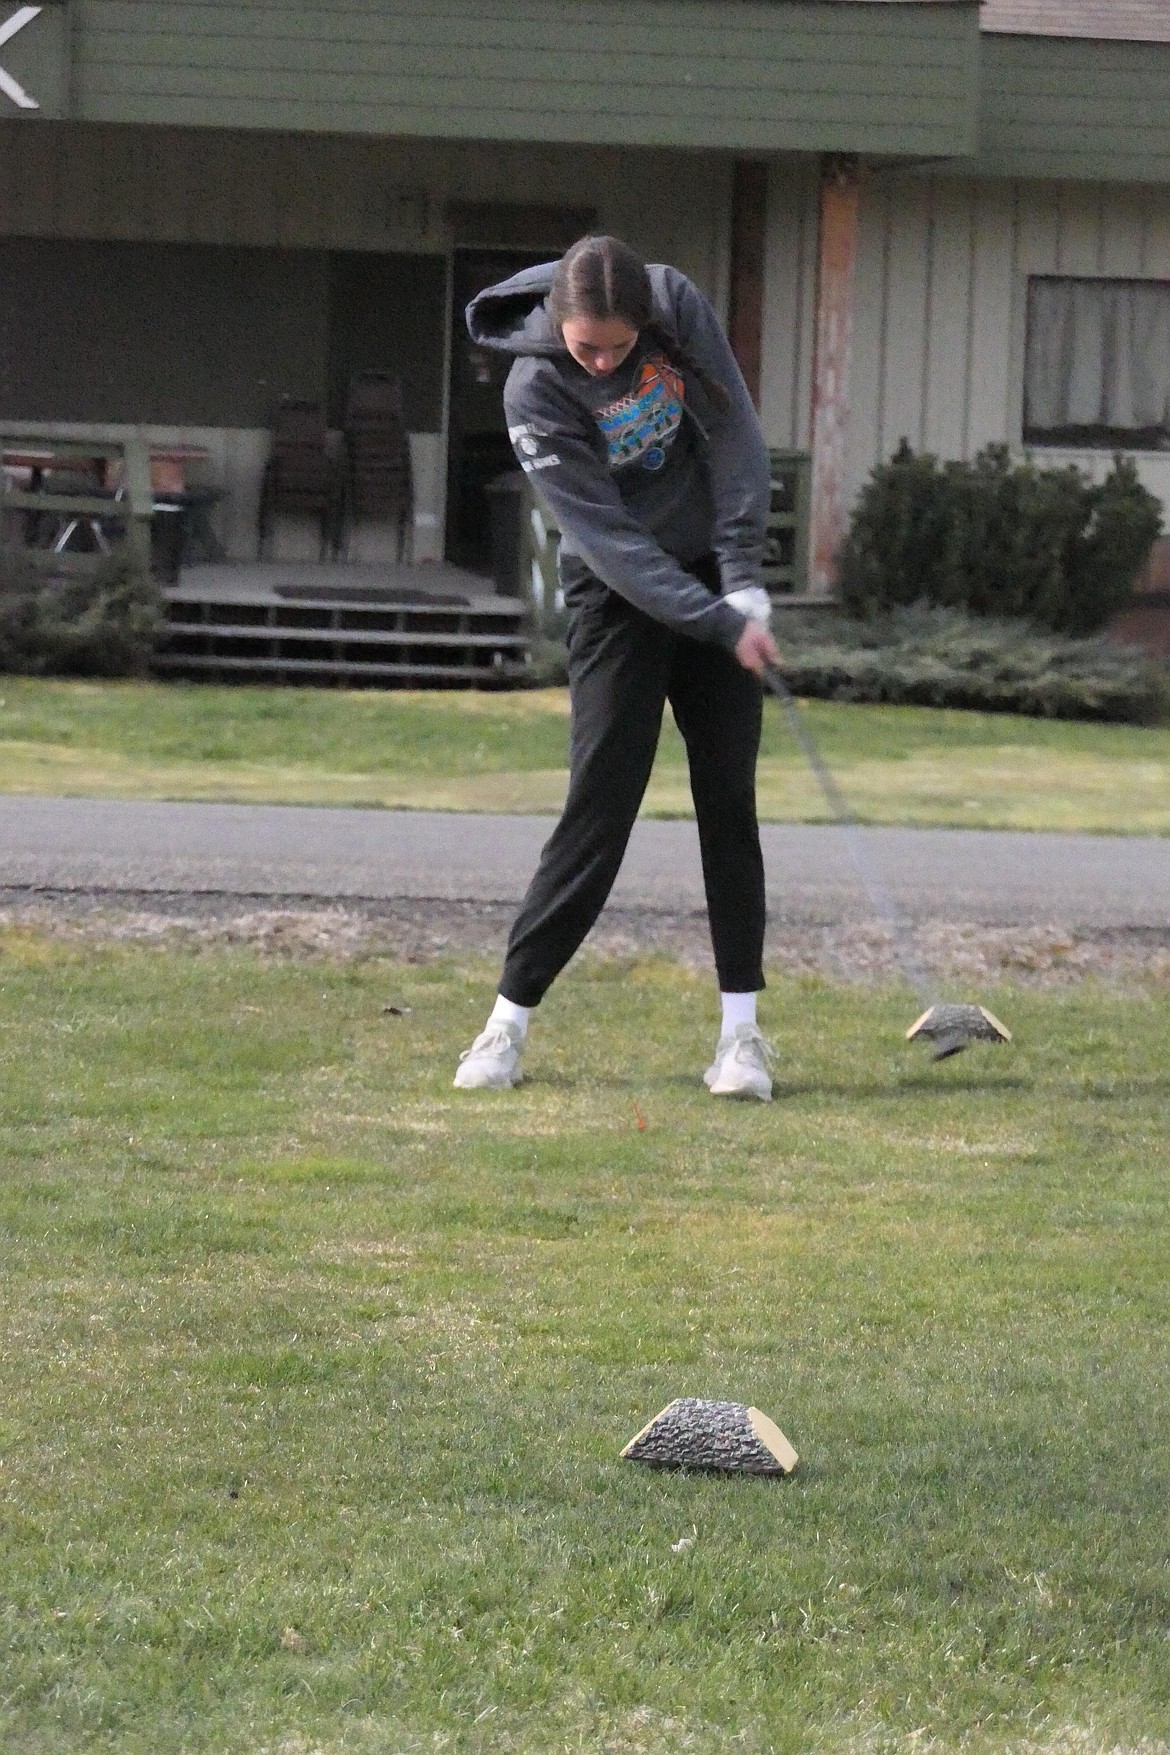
[(949, 1028)]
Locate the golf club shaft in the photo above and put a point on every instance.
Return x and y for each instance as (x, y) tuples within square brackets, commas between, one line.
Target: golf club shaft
[(882, 902)]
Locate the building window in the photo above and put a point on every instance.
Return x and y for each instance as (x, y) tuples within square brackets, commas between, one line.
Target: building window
[(1097, 364)]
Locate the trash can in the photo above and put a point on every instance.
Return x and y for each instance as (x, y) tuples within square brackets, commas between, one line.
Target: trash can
[(506, 511)]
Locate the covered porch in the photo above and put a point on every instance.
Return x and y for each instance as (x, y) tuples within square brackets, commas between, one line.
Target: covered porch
[(207, 276), (197, 225)]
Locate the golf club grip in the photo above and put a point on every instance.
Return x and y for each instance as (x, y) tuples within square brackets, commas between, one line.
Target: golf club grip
[(882, 902)]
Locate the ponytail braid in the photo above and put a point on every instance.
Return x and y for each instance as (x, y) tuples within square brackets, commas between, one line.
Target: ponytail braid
[(601, 278)]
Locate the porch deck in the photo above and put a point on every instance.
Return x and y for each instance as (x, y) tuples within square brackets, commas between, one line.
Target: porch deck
[(351, 625)]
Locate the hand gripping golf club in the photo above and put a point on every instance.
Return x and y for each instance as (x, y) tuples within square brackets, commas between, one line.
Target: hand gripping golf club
[(949, 1028)]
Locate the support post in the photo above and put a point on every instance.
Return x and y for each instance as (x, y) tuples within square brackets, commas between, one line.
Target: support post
[(745, 305), (832, 360)]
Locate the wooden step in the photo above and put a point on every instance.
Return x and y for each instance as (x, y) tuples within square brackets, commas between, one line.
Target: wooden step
[(410, 672), (340, 638)]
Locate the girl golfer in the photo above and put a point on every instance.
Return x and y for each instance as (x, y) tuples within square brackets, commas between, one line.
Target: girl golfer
[(627, 410)]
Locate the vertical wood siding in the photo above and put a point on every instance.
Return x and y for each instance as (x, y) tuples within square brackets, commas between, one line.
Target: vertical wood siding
[(988, 360), (789, 292), (938, 353)]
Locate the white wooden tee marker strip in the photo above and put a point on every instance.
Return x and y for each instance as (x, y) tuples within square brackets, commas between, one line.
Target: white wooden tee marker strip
[(9, 86)]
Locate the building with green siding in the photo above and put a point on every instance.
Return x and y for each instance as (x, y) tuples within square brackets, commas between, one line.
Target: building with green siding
[(907, 213)]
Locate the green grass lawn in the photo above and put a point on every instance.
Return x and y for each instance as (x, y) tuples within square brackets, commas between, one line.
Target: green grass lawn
[(315, 1372), (470, 751)]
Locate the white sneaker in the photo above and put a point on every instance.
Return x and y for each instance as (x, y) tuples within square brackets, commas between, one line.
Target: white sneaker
[(741, 1068), (492, 1063)]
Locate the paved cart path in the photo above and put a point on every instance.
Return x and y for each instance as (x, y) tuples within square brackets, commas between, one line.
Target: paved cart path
[(282, 850)]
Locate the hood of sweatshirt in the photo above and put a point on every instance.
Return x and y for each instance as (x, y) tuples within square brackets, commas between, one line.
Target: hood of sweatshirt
[(512, 316)]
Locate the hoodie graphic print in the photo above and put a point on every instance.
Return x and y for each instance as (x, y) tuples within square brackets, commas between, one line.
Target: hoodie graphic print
[(641, 426)]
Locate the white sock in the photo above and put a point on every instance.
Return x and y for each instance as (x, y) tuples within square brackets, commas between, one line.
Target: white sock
[(504, 1012), (738, 1008)]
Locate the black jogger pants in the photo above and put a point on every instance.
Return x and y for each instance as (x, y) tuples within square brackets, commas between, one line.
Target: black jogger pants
[(623, 667)]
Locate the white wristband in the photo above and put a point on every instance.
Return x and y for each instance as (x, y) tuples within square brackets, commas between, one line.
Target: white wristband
[(753, 602)]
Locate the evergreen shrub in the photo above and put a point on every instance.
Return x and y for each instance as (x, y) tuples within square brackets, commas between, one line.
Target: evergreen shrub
[(934, 657), (998, 538), (104, 622)]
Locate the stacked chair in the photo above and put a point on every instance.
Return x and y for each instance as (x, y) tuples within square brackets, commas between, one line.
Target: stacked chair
[(302, 476), (377, 454)]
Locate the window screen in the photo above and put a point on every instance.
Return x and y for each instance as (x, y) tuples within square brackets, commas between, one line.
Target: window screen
[(1097, 364)]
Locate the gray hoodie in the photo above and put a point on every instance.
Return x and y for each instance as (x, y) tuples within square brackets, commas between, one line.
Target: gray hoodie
[(640, 471)]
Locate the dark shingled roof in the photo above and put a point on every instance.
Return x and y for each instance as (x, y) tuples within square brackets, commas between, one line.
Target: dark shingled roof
[(1125, 21)]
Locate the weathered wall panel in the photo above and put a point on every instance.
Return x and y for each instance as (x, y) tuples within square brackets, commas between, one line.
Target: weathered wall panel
[(1079, 230), (947, 363), (1156, 238), (1124, 223), (992, 303), (909, 278), (790, 76)]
